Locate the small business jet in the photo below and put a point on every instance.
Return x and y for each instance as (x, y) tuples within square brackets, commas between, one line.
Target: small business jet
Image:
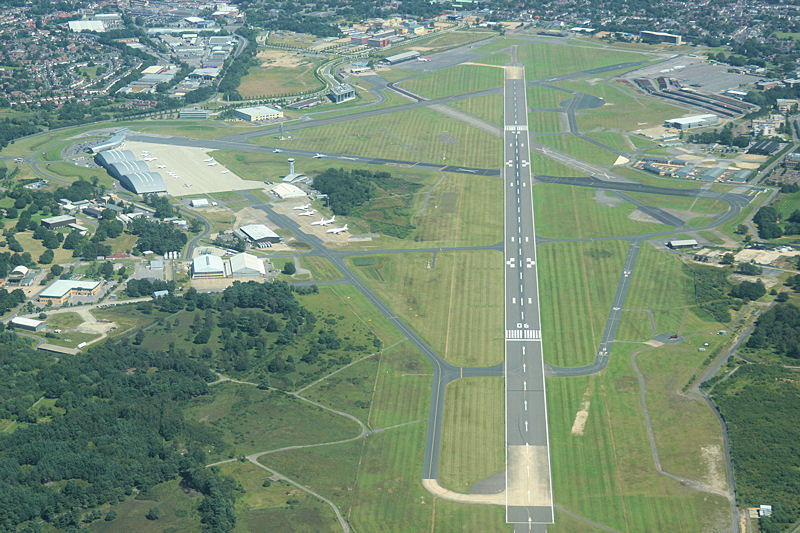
[(323, 221), (337, 231)]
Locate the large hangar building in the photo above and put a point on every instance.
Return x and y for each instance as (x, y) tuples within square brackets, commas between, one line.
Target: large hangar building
[(134, 175)]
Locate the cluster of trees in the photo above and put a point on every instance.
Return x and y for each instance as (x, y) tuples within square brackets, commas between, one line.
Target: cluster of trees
[(121, 430), (761, 407), (146, 287), (158, 237), (717, 296), (767, 221), (379, 198), (778, 330), (161, 205), (238, 66)]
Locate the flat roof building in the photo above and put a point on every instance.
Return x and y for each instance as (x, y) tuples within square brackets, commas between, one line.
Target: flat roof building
[(247, 265), (208, 266), (696, 121), (60, 221), (194, 113), (258, 113), (341, 93), (27, 323), (198, 202), (61, 290), (257, 234)]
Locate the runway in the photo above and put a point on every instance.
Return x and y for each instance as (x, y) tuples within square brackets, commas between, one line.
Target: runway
[(529, 498)]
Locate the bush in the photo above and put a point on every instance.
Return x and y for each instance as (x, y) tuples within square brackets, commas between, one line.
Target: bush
[(154, 513), (289, 268)]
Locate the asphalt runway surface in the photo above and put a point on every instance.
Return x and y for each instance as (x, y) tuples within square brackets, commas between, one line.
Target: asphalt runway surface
[(529, 497)]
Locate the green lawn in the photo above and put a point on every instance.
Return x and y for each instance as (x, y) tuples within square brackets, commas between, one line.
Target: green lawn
[(548, 167), (413, 135), (545, 97), (251, 420), (544, 122), (460, 79), (613, 140), (488, 108), (578, 148), (441, 41), (647, 178), (567, 211), (577, 282), (707, 206), (473, 432), (605, 473), (64, 320), (543, 60), (321, 269), (402, 387), (455, 306), (349, 390)]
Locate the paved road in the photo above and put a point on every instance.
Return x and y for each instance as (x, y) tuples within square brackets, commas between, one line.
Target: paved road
[(529, 497)]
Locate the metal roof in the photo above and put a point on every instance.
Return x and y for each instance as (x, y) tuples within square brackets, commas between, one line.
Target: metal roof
[(143, 182), (208, 264), (258, 232), (60, 287), (245, 263), (114, 156)]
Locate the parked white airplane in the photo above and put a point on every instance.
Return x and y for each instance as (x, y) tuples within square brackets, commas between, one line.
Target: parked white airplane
[(150, 158), (225, 171), (277, 151), (207, 160), (323, 222), (337, 231), (317, 156), (423, 59), (213, 164), (303, 207), (307, 213)]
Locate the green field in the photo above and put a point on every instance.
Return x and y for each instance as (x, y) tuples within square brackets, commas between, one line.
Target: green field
[(473, 433), (544, 122), (568, 211), (647, 178), (64, 320), (707, 206), (455, 306), (543, 60), (71, 172), (548, 167), (321, 269), (265, 80), (251, 420), (546, 97), (414, 135), (577, 282), (461, 79), (579, 148), (615, 141), (498, 44), (441, 41), (281, 505), (488, 108), (178, 512), (604, 471)]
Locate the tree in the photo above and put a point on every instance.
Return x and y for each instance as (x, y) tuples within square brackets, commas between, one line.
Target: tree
[(289, 268), (195, 225), (741, 229), (107, 270), (748, 269), (111, 515), (727, 259), (47, 257), (154, 513)]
